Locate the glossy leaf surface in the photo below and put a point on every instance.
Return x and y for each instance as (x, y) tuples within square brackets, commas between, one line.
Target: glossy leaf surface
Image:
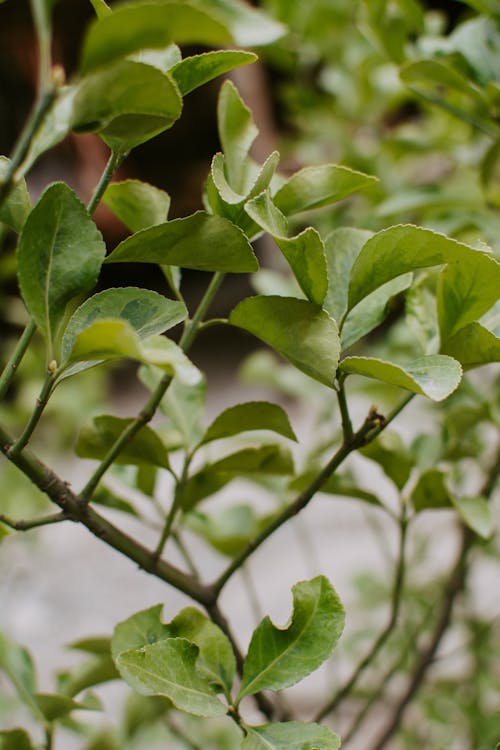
[(278, 658), (255, 415), (194, 71)]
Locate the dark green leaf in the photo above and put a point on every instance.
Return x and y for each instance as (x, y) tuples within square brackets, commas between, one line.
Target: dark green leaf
[(431, 491), (168, 668), (401, 249), (297, 329), (145, 448), (194, 71), (473, 346), (110, 499), (147, 312), (137, 204), (291, 735), (126, 103), (16, 208), (55, 707), (278, 658), (255, 415), (200, 242), (435, 376), (15, 739), (60, 254), (314, 187), (146, 25), (389, 452)]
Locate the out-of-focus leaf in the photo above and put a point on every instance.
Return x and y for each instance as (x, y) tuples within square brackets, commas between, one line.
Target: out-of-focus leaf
[(16, 208), (194, 71), (99, 436)]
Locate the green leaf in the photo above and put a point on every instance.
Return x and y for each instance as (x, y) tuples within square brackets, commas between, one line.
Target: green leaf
[(473, 346), (145, 449), (216, 659), (92, 645), (342, 247), (435, 376), (137, 204), (465, 292), (389, 452), (127, 103), (55, 707), (278, 658), (372, 310), (140, 629), (15, 739), (313, 187), (440, 74), (60, 254), (168, 668), (146, 311), (305, 252), (237, 132), (163, 58), (17, 664), (290, 735), (255, 415), (146, 25), (16, 208), (194, 71), (342, 485), (229, 531), (249, 26), (101, 8), (476, 513), (297, 329), (401, 249), (200, 241), (431, 491), (54, 128), (421, 317)]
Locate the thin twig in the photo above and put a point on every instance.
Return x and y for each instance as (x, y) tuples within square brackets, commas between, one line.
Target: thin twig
[(35, 523), (36, 414), (344, 411), (114, 161), (174, 508)]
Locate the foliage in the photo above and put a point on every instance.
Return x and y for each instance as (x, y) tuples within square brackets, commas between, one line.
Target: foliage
[(432, 291)]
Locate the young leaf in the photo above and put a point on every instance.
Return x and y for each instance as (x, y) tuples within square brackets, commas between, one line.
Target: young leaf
[(297, 329), (146, 311), (200, 241), (60, 254), (168, 668), (229, 531), (145, 449), (127, 103), (305, 252), (290, 735), (465, 292), (140, 629), (473, 346), (255, 415), (15, 739), (216, 659), (476, 513), (342, 247), (237, 132), (401, 249), (313, 187), (16, 208), (147, 25), (137, 204), (278, 658), (194, 71), (435, 376)]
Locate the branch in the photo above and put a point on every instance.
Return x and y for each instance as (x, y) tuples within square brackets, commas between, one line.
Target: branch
[(35, 523), (114, 161), (40, 405)]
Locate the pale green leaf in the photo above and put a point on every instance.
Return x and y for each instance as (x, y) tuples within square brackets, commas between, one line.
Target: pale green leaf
[(341, 485), (92, 645), (305, 252), (435, 376), (465, 292), (101, 8), (372, 310), (14, 211), (290, 735), (55, 707), (127, 103), (237, 132), (342, 246), (200, 242), (278, 658), (146, 311), (98, 437), (147, 25), (59, 257), (165, 354), (194, 71), (140, 629), (297, 329), (15, 739), (97, 670), (17, 664), (137, 204), (313, 187), (473, 346), (431, 491), (168, 668), (55, 126), (421, 317), (401, 249), (255, 415), (439, 74), (216, 660), (228, 531), (476, 513)]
